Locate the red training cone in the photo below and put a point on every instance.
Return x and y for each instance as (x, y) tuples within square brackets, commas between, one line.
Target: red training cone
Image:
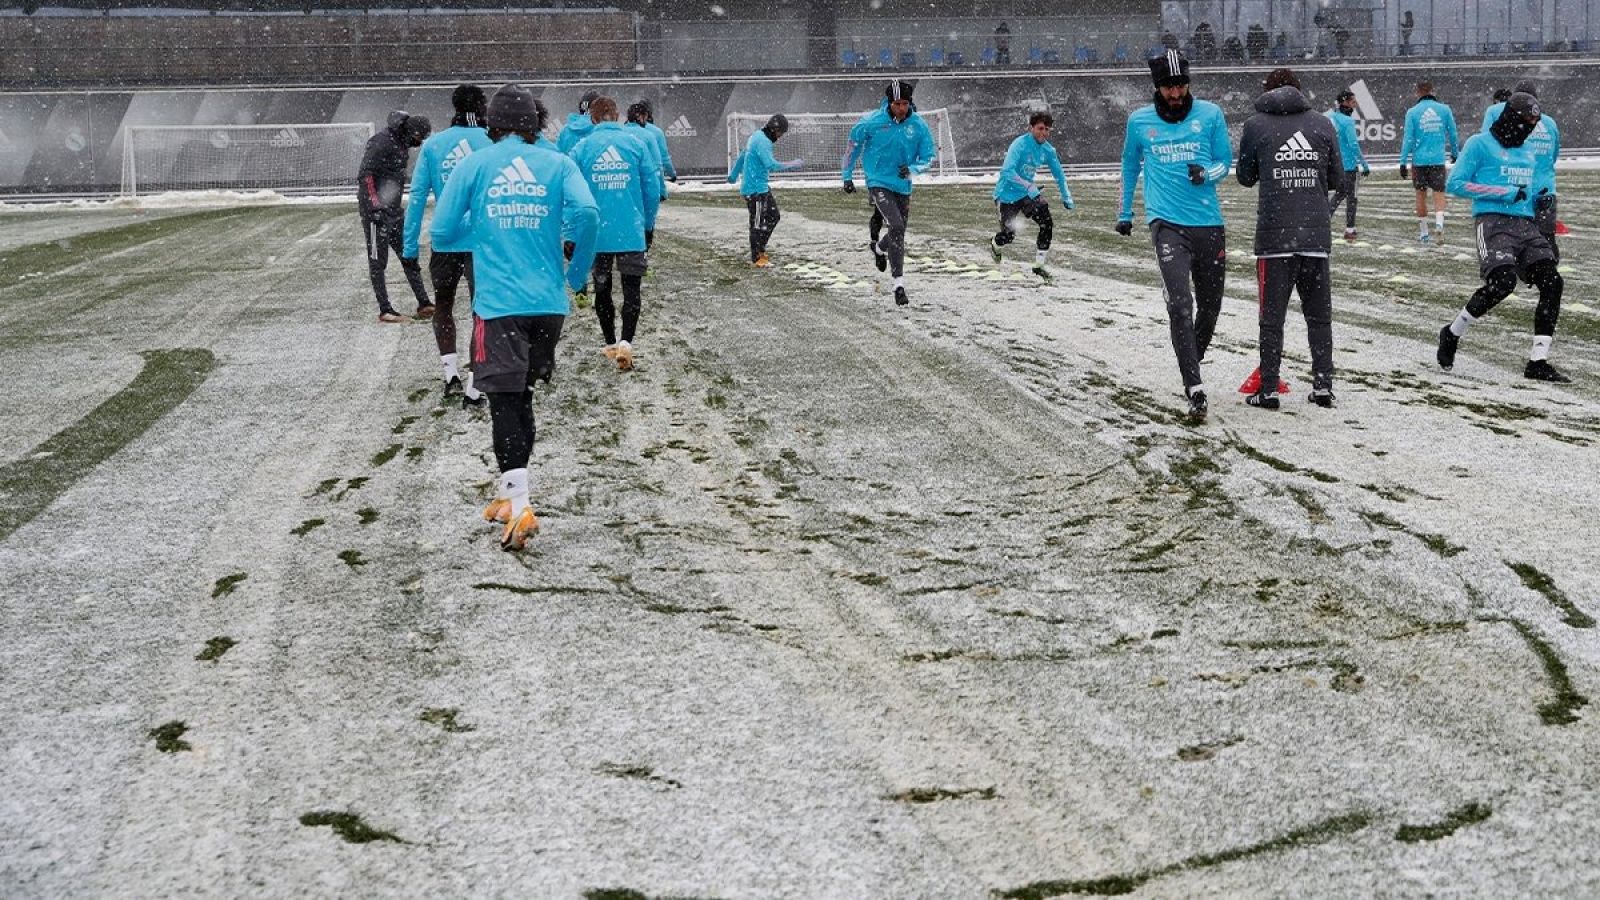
[(1252, 384), (1561, 228)]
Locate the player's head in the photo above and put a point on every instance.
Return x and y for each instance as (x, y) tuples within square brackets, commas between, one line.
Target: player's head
[(639, 113), (1526, 86), (1424, 89), (1170, 72), (649, 110), (898, 93), (1517, 120), (470, 105), (588, 98), (1347, 102), (776, 127), (1501, 95), (416, 130), (514, 110), (1278, 78), (1039, 124), (603, 109)]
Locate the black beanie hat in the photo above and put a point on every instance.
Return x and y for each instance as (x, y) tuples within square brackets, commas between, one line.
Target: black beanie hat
[(639, 112), (513, 108), (776, 127), (1169, 68), (587, 98), (1527, 86), (1517, 120), (898, 90)]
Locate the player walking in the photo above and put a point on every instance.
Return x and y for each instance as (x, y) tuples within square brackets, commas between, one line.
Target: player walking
[(579, 124), (892, 143), (1355, 163), (1017, 197), (1181, 146), (1430, 136), (1293, 154), (379, 186), (1498, 171), (447, 265), (750, 170), (624, 176), (638, 125), (511, 199)]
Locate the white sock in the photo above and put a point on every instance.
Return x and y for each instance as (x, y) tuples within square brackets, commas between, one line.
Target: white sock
[(624, 345), (471, 392), (1038, 257), (449, 360), (514, 487), (1196, 389), (1422, 225), (1541, 347), (1438, 219), (1464, 320), (900, 282)]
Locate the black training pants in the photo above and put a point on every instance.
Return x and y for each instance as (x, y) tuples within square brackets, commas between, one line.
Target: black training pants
[(764, 216), (383, 234), (631, 266), (890, 210), (446, 270), (1346, 191), (1028, 207), (1201, 253), (1276, 277)]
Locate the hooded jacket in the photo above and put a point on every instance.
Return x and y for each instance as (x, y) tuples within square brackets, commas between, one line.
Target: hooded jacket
[(438, 157), (1164, 150), (1293, 154), (755, 164), (512, 203), (578, 127), (1430, 134), (883, 145), (620, 166), (382, 178), (648, 140)]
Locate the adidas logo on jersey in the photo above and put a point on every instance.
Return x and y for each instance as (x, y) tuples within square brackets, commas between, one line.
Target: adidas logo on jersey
[(680, 127), (1297, 149), (287, 137), (609, 160), (456, 155), (1429, 120), (516, 180)]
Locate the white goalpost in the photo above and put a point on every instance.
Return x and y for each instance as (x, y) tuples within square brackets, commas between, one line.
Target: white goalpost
[(821, 139), (288, 158)]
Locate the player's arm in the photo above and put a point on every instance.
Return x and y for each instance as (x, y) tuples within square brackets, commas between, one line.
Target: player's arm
[(736, 169), (1054, 162), (852, 153), (417, 204), (452, 214), (1461, 182), (580, 222), (1334, 173), (666, 156), (926, 151), (1220, 150), (1408, 142), (1249, 168), (1132, 162), (1451, 141), (650, 184)]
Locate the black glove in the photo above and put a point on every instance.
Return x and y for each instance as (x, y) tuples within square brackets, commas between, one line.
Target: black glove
[(1405, 171), (1067, 204), (849, 186), (1452, 159), (1125, 227), (905, 171), (1197, 173), (1522, 194), (673, 179)]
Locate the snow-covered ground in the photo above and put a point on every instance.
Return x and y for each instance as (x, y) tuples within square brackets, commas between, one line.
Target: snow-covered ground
[(832, 598)]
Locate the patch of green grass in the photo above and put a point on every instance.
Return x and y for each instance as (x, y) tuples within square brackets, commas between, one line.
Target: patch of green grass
[(225, 585), (366, 515), (404, 423), (326, 485), (1470, 814), (169, 737), (19, 263), (354, 484), (352, 558), (215, 648), (935, 795), (386, 454), (1562, 708), (1209, 749), (348, 826), (1279, 464), (30, 484), (534, 588), (445, 718), (1536, 580), (306, 527), (635, 772)]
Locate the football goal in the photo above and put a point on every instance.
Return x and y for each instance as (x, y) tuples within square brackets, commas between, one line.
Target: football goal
[(288, 158), (822, 138)]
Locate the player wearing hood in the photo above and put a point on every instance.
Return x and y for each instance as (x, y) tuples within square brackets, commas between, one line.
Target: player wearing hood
[(1016, 195), (648, 123), (637, 120), (1430, 136), (447, 265), (579, 124), (511, 202), (1355, 163), (750, 170), (1292, 153), (379, 186), (1498, 171), (892, 143), (1545, 142), (1181, 146), (625, 177)]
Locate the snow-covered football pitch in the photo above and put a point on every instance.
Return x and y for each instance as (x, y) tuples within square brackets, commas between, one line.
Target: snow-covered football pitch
[(832, 598)]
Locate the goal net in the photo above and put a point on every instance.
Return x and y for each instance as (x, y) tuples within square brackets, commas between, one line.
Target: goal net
[(288, 158), (821, 139)]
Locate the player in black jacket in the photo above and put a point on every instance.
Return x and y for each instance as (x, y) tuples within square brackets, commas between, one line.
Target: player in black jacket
[(379, 186)]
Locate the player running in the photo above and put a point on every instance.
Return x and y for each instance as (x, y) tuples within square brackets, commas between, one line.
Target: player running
[(1355, 163), (892, 143), (1181, 146), (1017, 197), (625, 178), (1430, 136), (509, 202), (447, 265), (1545, 142), (1293, 154), (750, 170), (379, 186), (1499, 172)]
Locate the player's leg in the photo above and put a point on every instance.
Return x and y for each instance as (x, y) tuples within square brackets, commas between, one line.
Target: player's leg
[(631, 268), (393, 235), (1039, 212), (1008, 228), (1315, 288), (1209, 261), (605, 310), (1541, 272), (377, 263), (1275, 278), (1173, 258)]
